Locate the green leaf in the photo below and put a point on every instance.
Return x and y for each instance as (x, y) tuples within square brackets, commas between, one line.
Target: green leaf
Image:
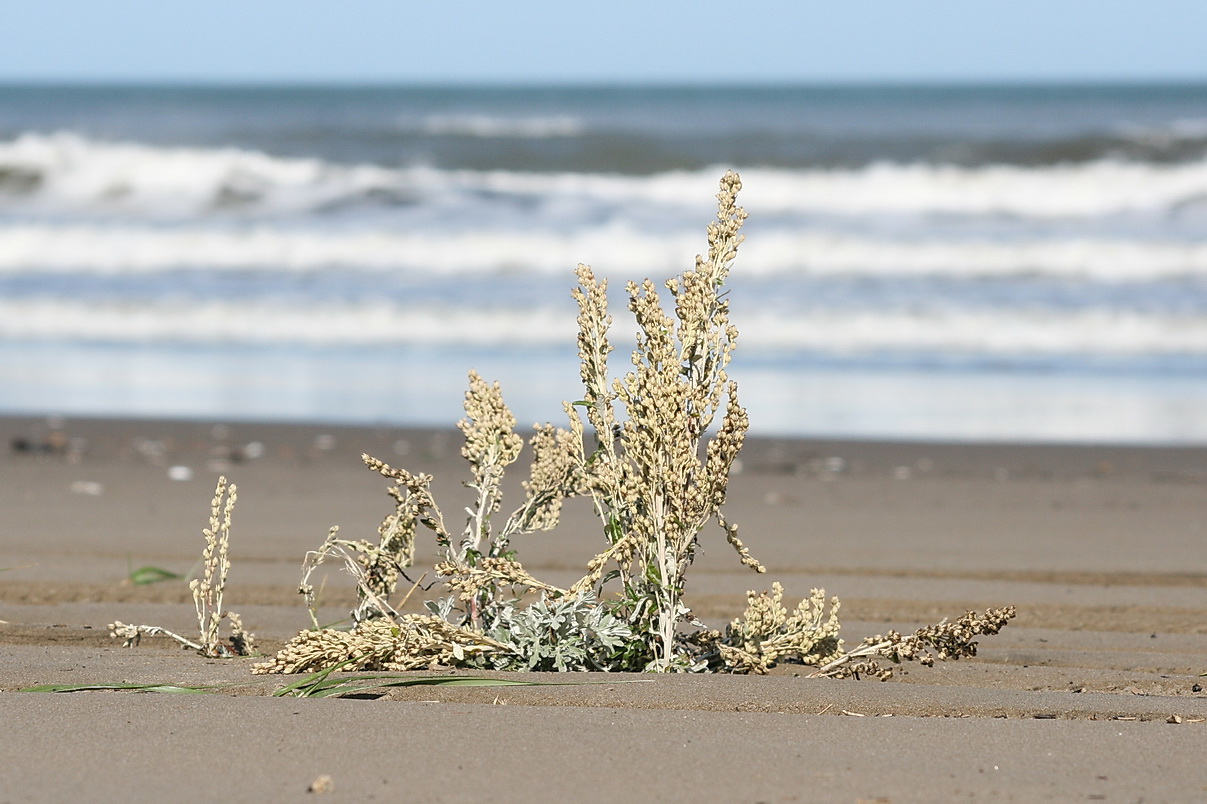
[(144, 576), (326, 687), (310, 679), (175, 689), (320, 685), (350, 686)]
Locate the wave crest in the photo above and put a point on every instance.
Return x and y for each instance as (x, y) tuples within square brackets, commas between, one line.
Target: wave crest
[(1001, 334), (487, 127), (72, 175), (89, 249)]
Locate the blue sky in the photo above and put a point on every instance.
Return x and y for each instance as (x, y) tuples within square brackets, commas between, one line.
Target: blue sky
[(618, 40)]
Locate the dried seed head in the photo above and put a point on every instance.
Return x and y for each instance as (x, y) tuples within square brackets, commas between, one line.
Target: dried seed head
[(490, 440)]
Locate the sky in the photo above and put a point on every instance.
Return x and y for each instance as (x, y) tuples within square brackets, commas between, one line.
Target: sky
[(654, 41)]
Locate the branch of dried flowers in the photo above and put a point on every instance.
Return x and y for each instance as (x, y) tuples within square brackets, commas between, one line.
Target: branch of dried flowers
[(207, 590), (468, 580), (412, 642), (413, 491), (133, 634), (943, 641), (491, 445)]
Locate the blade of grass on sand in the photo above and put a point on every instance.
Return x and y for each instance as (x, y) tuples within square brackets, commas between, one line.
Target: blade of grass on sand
[(179, 689), (320, 685), (175, 689), (332, 687), (312, 678), (144, 576)]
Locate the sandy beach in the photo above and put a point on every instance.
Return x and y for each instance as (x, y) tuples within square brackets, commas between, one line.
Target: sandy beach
[(1092, 693)]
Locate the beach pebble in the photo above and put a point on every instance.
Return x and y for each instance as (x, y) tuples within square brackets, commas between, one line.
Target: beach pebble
[(180, 473), (323, 784)]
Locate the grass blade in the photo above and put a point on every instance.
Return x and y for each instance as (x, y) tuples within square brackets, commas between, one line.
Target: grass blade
[(144, 576), (320, 685), (309, 680), (175, 689), (347, 686)]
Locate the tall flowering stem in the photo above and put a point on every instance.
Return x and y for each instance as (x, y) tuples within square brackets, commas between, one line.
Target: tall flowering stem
[(207, 590), (491, 445)]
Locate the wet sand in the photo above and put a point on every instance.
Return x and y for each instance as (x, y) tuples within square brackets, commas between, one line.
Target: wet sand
[(1102, 549)]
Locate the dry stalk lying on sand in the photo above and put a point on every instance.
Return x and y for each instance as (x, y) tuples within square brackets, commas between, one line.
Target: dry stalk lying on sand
[(655, 479), (941, 641), (207, 590)]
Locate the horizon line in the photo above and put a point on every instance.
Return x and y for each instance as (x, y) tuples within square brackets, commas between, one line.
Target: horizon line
[(570, 84)]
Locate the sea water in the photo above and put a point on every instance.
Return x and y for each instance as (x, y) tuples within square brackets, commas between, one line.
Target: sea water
[(987, 262)]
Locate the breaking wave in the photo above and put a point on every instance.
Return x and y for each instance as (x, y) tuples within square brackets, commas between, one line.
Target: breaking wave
[(991, 334), (66, 174), (119, 249)]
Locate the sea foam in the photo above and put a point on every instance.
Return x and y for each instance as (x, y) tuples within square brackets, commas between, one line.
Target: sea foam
[(999, 334), (70, 174), (622, 248), (487, 126)]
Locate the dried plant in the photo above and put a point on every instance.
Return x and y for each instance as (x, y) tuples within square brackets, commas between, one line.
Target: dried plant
[(943, 641), (767, 634), (207, 590), (376, 567), (408, 642), (655, 477)]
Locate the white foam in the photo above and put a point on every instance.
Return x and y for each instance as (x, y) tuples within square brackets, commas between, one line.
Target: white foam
[(268, 323), (1075, 190), (1096, 259), (486, 126), (145, 249), (78, 175), (1003, 332), (1187, 129), (620, 250), (1092, 189)]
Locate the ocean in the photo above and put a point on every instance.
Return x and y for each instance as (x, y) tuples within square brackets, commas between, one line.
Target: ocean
[(1008, 263)]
